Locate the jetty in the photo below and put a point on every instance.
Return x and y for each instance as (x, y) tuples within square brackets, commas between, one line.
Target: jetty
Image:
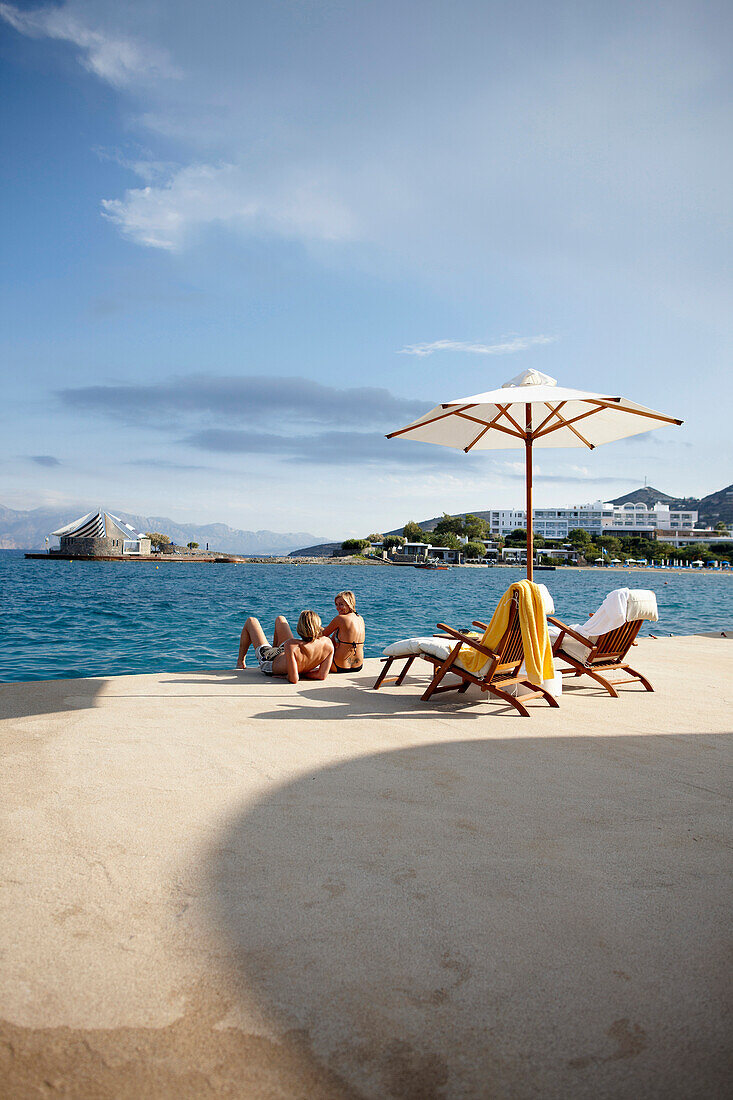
[(221, 884)]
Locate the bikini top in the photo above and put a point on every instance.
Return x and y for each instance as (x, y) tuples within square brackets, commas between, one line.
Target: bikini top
[(342, 641)]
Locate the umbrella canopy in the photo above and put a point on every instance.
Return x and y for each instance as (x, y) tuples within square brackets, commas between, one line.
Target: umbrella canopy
[(532, 411)]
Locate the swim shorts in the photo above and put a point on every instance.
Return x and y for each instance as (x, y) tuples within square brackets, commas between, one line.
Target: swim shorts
[(266, 654)]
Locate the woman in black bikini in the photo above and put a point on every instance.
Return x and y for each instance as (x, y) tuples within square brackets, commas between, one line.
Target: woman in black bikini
[(347, 633)]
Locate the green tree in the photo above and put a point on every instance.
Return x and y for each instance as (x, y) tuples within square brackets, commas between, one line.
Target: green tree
[(375, 537), (580, 540), (474, 527), (158, 541), (192, 545), (354, 546), (392, 541), (449, 525), (445, 538), (474, 550), (413, 532), (518, 537), (720, 550), (721, 527)]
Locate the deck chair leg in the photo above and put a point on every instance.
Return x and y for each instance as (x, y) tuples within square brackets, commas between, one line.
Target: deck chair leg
[(509, 699), (432, 686), (380, 679), (440, 672), (405, 670), (604, 683), (547, 695), (642, 679)]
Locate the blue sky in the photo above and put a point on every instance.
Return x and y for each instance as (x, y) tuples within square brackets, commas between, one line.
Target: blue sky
[(242, 241)]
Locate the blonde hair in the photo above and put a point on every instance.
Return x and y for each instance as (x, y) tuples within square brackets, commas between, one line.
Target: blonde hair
[(309, 625), (349, 599)]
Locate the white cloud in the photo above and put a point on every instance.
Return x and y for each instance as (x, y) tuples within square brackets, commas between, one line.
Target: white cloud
[(462, 147), (506, 347), (119, 60), (201, 195)]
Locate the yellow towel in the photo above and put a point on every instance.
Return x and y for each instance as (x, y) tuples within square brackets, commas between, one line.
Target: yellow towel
[(533, 624)]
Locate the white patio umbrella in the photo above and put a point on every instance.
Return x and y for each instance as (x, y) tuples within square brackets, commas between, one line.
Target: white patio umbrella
[(532, 411)]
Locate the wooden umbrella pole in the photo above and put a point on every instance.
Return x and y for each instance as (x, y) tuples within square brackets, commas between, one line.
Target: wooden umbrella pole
[(528, 474)]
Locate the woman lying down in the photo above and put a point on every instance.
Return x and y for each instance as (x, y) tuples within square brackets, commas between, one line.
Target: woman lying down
[(308, 658)]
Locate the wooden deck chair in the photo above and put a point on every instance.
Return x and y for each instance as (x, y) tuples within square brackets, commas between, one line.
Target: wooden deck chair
[(606, 655), (500, 672)]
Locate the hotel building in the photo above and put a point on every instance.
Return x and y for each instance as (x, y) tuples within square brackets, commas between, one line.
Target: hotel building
[(597, 518)]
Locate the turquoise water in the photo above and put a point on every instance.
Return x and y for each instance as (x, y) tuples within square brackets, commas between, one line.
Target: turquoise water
[(64, 619)]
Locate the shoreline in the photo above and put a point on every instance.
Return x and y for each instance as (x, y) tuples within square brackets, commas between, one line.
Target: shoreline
[(240, 559)]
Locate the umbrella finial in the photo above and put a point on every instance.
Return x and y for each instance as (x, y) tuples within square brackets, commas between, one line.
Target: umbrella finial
[(530, 378)]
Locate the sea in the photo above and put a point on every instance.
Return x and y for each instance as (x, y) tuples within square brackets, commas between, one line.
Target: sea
[(61, 619)]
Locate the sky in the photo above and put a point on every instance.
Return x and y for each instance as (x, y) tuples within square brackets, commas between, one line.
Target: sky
[(242, 241)]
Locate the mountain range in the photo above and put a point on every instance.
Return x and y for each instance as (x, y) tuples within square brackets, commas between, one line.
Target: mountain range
[(21, 530), (28, 530)]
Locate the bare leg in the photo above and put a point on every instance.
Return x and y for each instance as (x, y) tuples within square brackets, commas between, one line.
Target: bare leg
[(282, 630), (252, 634)]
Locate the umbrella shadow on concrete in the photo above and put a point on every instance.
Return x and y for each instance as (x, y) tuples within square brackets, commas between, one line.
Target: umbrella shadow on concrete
[(27, 698), (494, 918)]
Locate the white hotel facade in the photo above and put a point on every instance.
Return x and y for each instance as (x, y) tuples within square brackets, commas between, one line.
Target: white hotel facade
[(597, 518)]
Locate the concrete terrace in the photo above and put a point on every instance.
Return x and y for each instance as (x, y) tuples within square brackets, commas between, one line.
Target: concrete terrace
[(219, 885)]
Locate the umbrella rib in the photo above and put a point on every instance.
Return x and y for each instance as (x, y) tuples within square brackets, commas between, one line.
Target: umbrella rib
[(480, 435), (505, 412), (635, 412), (567, 424), (473, 419), (413, 427), (491, 424), (550, 415)]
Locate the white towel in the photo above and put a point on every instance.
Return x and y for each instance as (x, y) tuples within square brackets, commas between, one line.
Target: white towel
[(620, 606)]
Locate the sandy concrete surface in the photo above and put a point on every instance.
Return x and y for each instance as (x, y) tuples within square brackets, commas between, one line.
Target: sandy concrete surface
[(216, 884)]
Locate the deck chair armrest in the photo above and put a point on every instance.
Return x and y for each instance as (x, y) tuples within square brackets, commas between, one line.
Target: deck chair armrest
[(449, 632), (466, 640), (564, 629), (482, 625)]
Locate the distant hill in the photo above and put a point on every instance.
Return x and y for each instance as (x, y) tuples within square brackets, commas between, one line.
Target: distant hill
[(321, 550), (431, 524), (714, 508), (717, 507), (649, 496), (27, 531)]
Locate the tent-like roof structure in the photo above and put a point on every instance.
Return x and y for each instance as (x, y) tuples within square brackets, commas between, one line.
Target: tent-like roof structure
[(98, 525)]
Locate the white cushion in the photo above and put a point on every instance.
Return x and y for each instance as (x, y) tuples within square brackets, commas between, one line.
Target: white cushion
[(441, 647), (641, 604), (407, 647), (437, 647)]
